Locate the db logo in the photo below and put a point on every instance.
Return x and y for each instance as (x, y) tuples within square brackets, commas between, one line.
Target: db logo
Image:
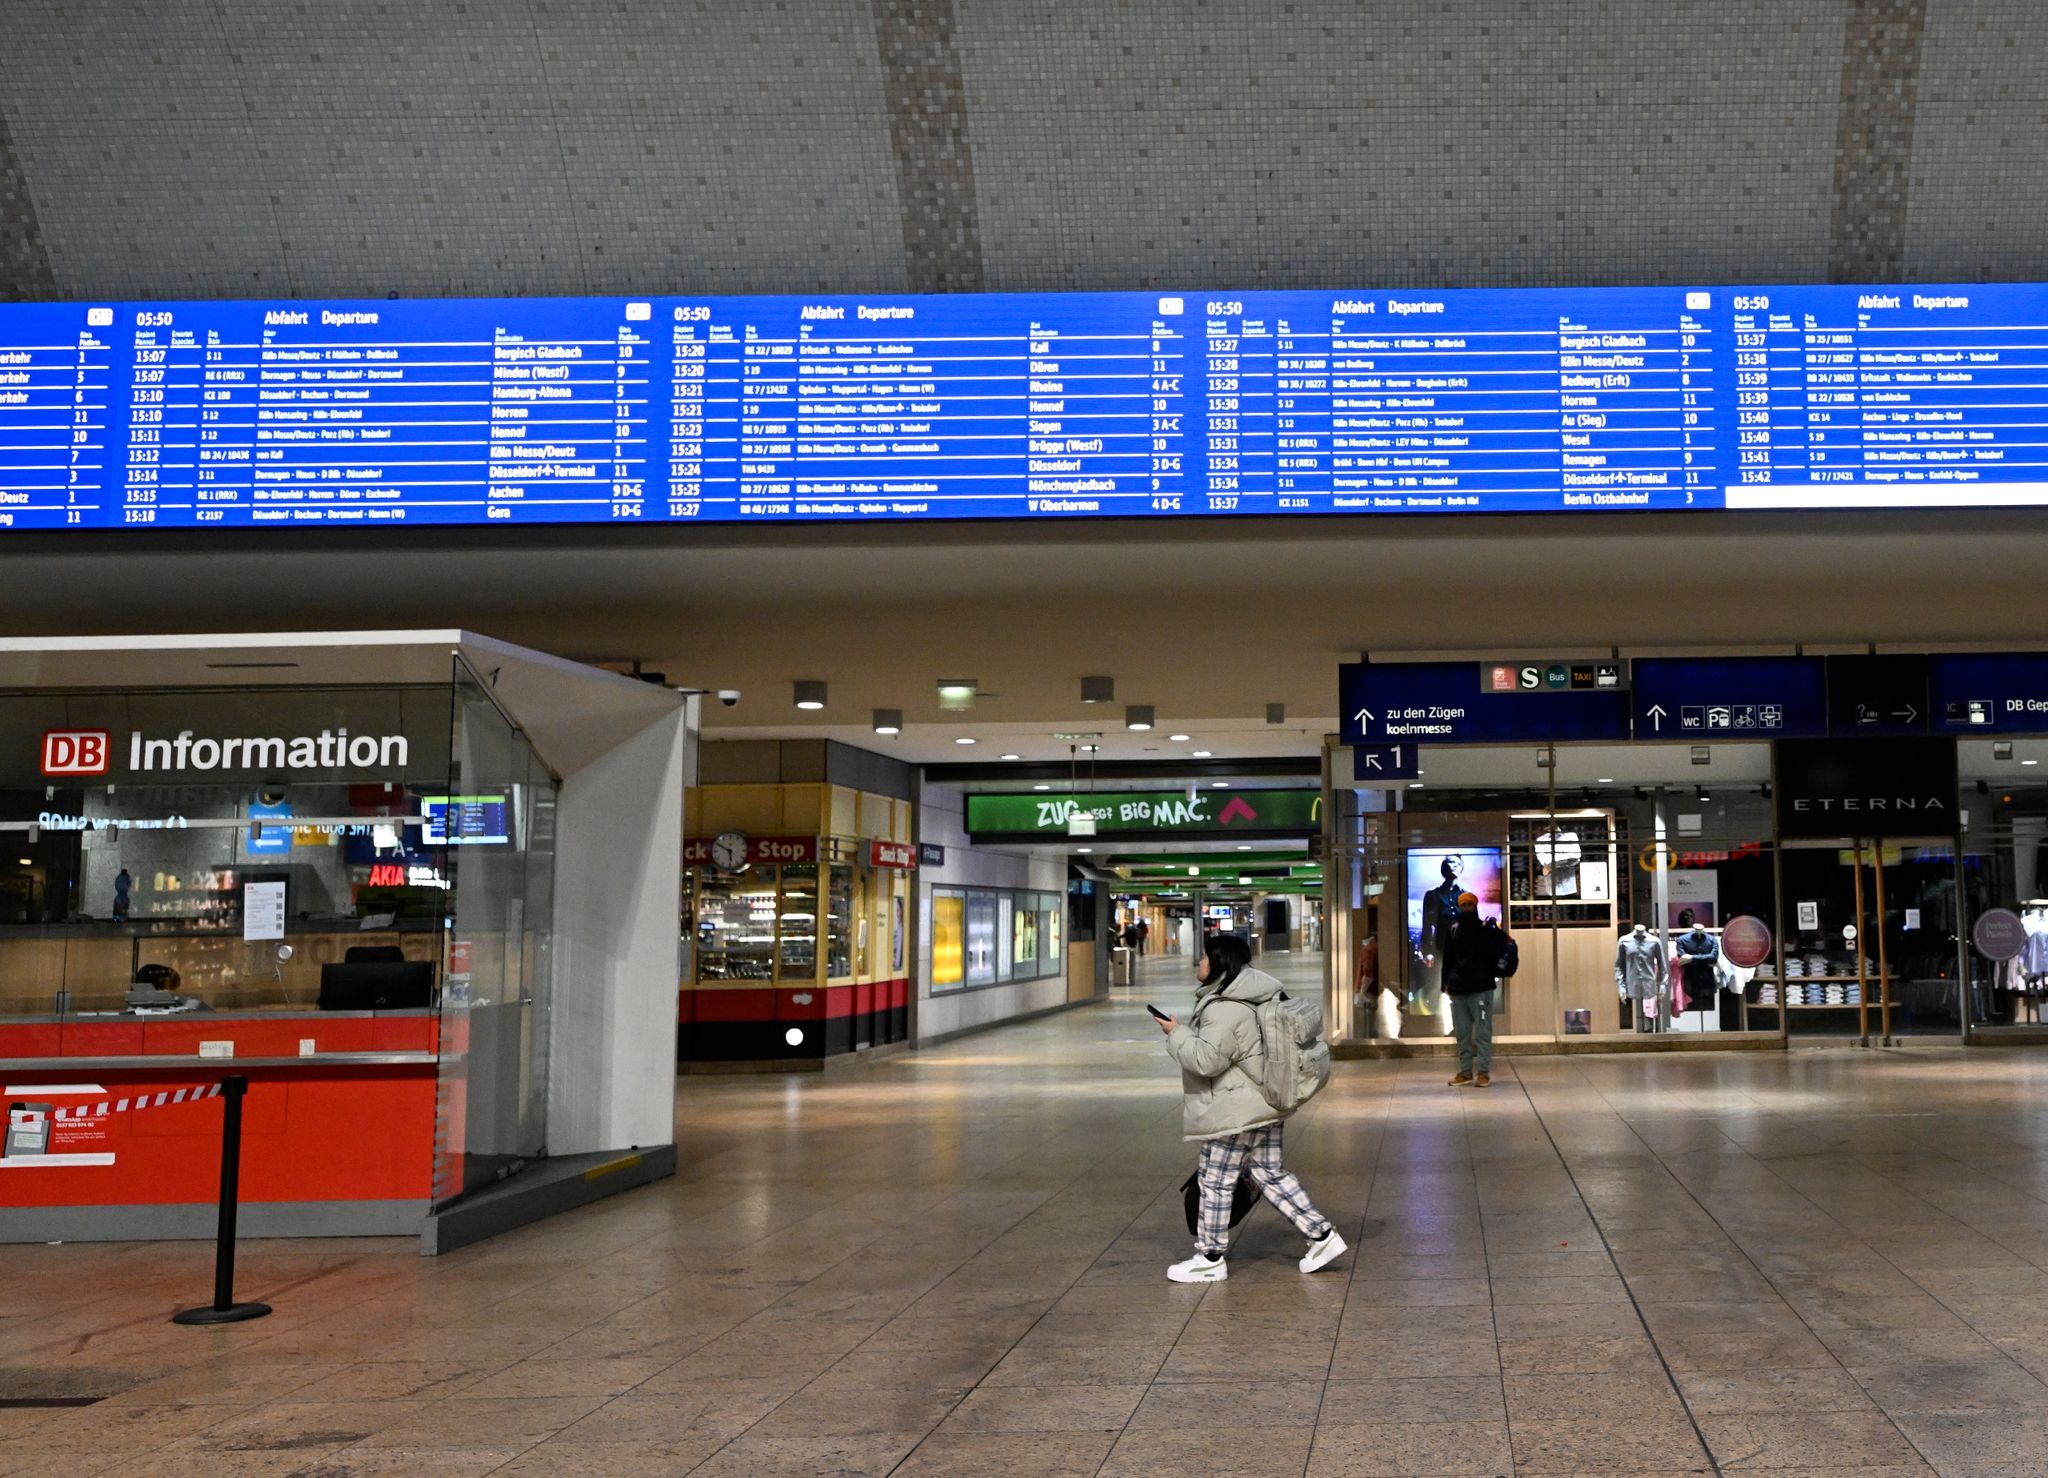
[(75, 752)]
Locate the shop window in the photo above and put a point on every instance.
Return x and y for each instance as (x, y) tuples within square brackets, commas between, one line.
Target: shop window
[(736, 925), (839, 924), (796, 960), (984, 917)]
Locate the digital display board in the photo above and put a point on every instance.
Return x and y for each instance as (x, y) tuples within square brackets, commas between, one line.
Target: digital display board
[(464, 821), (708, 409)]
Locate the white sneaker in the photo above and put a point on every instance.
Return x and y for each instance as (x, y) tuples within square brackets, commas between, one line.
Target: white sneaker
[(1201, 1268), (1321, 1254)]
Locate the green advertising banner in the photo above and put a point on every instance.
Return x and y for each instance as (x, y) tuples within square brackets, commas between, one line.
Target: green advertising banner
[(1127, 812)]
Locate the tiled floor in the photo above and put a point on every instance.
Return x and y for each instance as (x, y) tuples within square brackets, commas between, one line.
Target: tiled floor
[(1828, 1263)]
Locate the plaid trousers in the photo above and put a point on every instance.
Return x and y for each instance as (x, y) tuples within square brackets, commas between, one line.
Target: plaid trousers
[(1255, 1152)]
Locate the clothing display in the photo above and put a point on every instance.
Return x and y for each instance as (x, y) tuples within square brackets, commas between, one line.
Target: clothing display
[(1639, 965), (1558, 854)]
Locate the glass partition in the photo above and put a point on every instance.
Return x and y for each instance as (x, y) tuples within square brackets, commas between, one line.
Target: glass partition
[(497, 823), (234, 852)]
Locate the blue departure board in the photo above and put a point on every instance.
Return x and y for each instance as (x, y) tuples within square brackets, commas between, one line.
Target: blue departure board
[(1019, 406)]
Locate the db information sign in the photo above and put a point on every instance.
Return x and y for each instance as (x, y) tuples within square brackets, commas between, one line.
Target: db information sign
[(75, 752)]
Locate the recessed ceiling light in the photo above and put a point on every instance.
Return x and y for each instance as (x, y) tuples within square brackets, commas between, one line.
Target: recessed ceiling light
[(1201, 754), (1244, 846), (1013, 756), (964, 739), (1178, 738), (1415, 785), (1084, 849), (956, 694), (1041, 787), (2030, 762), (1090, 748), (1604, 780), (1218, 784), (1194, 872)]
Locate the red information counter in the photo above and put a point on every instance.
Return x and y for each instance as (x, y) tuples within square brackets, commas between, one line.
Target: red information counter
[(338, 1127)]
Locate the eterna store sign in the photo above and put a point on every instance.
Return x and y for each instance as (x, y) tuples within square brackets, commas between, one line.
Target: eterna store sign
[(1902, 787)]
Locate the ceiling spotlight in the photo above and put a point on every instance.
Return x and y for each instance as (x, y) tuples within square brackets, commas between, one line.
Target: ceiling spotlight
[(888, 720), (964, 739), (1090, 748), (1699, 792), (1098, 690), (810, 694), (1013, 756), (956, 694), (1138, 716), (1276, 713), (1201, 754)]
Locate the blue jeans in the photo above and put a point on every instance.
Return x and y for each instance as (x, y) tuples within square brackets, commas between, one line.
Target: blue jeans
[(1472, 1024)]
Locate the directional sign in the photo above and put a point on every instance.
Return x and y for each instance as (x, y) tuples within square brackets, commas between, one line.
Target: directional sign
[(1729, 698), (1371, 763), (1434, 703), (1873, 696), (1989, 692)]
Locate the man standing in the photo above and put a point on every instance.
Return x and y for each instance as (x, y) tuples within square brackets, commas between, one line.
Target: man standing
[(1144, 932), (1472, 949)]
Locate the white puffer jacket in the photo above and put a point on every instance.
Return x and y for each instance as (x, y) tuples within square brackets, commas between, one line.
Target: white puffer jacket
[(1222, 1059)]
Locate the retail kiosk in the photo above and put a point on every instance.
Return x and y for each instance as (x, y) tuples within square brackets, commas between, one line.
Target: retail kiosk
[(418, 887)]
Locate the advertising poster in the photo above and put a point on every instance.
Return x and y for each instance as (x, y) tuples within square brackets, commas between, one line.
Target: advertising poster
[(1435, 879), (1694, 898)]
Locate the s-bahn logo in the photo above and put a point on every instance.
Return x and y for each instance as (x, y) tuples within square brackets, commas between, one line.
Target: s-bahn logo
[(76, 752)]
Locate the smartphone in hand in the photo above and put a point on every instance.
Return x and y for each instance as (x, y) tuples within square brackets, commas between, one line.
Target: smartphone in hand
[(1157, 1014)]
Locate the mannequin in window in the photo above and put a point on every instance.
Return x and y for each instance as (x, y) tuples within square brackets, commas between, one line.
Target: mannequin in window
[(1639, 969), (1697, 952)]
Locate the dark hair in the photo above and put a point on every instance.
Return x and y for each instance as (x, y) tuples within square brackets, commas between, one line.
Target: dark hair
[(1444, 867), (1230, 955), (1687, 918)]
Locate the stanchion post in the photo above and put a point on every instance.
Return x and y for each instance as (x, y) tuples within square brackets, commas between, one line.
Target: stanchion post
[(224, 1309)]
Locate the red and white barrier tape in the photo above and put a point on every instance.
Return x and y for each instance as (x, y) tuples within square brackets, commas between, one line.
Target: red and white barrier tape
[(140, 1101)]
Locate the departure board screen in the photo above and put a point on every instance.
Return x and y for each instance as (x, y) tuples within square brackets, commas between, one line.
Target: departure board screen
[(1020, 406)]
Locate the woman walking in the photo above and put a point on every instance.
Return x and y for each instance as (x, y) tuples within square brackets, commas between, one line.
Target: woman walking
[(1222, 1061)]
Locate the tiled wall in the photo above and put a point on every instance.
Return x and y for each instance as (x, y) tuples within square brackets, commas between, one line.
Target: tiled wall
[(372, 147)]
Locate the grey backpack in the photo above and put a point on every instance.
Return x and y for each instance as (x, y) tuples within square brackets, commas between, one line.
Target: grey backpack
[(1297, 1057)]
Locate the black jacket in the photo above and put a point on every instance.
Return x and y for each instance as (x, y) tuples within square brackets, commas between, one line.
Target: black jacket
[(1471, 951)]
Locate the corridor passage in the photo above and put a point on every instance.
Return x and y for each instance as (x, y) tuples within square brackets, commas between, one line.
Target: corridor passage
[(1832, 1262)]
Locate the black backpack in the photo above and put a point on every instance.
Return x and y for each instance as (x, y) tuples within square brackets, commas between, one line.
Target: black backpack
[(1242, 1199), (1510, 957)]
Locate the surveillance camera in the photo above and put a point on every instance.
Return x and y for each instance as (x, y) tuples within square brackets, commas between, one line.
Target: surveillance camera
[(729, 696)]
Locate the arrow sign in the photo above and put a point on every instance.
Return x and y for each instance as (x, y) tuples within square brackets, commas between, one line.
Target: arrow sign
[(1376, 764), (1362, 718), (1656, 716), (1239, 808)]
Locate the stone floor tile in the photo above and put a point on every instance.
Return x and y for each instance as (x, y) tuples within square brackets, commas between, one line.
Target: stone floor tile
[(1449, 1397), (482, 1423), (1617, 1440), (1569, 1395), (1977, 1385), (557, 1459), (1151, 1452), (1259, 1404), (1450, 1449), (1046, 1409), (958, 1454), (1736, 1392), (1813, 1439), (869, 1455), (1079, 1365)]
